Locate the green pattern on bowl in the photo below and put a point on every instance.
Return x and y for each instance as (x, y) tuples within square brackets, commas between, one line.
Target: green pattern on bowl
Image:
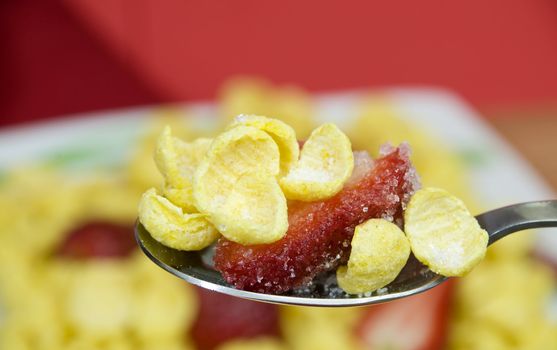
[(475, 157)]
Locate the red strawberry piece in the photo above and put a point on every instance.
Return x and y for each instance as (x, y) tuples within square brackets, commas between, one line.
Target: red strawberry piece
[(222, 318), (319, 233), (418, 322), (98, 240)]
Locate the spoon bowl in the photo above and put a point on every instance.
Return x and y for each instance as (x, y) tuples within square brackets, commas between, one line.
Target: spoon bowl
[(197, 267)]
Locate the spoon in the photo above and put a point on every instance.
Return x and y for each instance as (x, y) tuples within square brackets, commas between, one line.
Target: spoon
[(196, 267)]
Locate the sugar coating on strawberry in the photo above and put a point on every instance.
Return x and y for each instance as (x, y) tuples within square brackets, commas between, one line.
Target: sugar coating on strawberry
[(222, 318), (98, 239), (319, 233)]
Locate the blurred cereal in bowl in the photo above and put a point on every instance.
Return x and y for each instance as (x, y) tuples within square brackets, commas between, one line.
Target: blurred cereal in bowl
[(71, 276), (70, 273)]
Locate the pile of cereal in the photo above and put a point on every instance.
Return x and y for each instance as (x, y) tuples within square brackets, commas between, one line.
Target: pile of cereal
[(285, 210), (71, 277)]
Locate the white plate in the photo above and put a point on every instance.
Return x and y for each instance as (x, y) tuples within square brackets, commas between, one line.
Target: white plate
[(105, 139)]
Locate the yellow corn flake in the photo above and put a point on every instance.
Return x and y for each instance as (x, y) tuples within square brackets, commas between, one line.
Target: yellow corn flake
[(442, 232), (176, 343), (168, 224), (165, 311), (108, 198), (235, 152), (13, 337), (142, 170), (326, 162), (238, 176), (164, 305), (540, 334), (255, 211), (283, 134), (99, 299), (516, 246), (294, 106), (495, 293), (177, 159), (486, 336), (381, 119), (37, 301), (379, 252), (261, 343), (181, 197), (120, 341), (245, 95), (320, 328)]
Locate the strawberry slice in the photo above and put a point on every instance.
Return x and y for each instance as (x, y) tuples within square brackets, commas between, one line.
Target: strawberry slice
[(319, 233), (222, 318), (418, 322), (98, 239)]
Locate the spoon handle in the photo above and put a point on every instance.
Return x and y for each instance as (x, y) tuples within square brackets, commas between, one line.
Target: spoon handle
[(503, 221)]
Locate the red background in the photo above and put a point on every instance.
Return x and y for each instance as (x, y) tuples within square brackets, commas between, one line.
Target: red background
[(69, 56)]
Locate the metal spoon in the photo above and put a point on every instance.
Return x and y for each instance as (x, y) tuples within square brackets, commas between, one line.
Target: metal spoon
[(195, 267)]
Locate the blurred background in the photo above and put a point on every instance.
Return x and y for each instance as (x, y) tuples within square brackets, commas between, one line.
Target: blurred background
[(459, 81), (62, 57)]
